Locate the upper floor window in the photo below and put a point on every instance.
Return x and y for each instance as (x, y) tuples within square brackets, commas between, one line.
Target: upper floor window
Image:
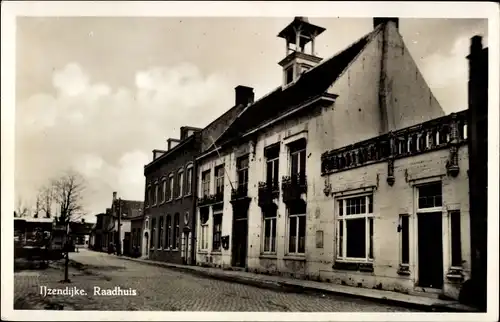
[(289, 75), (219, 179), (272, 166), (298, 159), (155, 196), (171, 187), (180, 183), (430, 196), (164, 190), (205, 183), (148, 196), (189, 180), (242, 172), (153, 232)]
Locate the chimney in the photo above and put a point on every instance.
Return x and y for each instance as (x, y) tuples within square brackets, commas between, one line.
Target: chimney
[(114, 195), (378, 20), (171, 143), (243, 95)]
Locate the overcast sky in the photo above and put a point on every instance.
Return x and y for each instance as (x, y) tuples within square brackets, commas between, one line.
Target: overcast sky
[(99, 94)]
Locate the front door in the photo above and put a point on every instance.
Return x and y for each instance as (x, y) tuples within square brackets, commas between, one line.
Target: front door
[(430, 250), (146, 244), (239, 251)]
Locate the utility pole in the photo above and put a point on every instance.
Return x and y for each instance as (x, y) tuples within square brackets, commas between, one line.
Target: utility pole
[(119, 246)]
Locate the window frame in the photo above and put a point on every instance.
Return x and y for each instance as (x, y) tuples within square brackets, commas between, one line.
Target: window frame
[(180, 183), (171, 187), (205, 184), (289, 252), (160, 232), (401, 239), (343, 217), (203, 246), (273, 221), (455, 213), (189, 179), (219, 178), (155, 193), (428, 209), (168, 231), (176, 235), (148, 195), (217, 214), (164, 190), (244, 170), (153, 233)]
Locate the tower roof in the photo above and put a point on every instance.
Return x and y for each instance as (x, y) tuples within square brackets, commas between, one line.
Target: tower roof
[(303, 24)]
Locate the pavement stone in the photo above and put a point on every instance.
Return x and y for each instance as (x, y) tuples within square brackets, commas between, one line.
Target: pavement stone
[(163, 289)]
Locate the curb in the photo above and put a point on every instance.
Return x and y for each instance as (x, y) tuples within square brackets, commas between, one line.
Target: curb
[(294, 288)]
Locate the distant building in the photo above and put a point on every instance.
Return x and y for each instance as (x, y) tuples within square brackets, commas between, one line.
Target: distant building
[(349, 172), (105, 232)]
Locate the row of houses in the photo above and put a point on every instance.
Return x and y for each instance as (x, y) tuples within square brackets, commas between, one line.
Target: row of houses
[(348, 172)]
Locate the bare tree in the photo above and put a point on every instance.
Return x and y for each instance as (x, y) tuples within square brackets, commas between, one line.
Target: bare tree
[(46, 197), (37, 206), (68, 195), (21, 209)]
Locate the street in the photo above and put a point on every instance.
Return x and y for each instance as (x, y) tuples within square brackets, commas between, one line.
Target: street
[(163, 289)]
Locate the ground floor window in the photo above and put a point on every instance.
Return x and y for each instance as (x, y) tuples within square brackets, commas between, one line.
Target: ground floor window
[(153, 231), (404, 230), (355, 228), (204, 228), (216, 242), (176, 230), (456, 243), (297, 229), (269, 230)]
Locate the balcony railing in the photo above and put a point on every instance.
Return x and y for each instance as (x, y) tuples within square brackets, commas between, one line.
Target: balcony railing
[(241, 191), (432, 135), (267, 192), (211, 199), (293, 186)]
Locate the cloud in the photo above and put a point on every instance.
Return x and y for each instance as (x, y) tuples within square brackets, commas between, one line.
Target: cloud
[(447, 74), (108, 133)]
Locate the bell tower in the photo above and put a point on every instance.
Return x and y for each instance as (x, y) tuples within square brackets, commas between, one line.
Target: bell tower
[(300, 57)]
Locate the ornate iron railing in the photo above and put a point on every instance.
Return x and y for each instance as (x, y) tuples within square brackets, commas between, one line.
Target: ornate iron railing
[(293, 186), (447, 131), (211, 199), (268, 191)]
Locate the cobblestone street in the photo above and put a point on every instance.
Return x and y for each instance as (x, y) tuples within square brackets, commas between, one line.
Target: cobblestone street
[(162, 289)]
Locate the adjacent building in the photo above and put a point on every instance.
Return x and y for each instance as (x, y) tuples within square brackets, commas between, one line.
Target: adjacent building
[(349, 172), (168, 226)]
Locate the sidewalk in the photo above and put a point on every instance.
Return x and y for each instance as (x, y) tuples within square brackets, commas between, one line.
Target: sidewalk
[(296, 285)]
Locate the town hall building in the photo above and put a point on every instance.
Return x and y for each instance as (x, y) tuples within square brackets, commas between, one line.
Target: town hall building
[(349, 172)]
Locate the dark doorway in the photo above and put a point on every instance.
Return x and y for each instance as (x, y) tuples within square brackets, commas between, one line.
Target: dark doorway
[(430, 250), (240, 234)]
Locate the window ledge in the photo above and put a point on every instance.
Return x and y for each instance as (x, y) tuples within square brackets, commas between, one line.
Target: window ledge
[(301, 258), (203, 252), (404, 270), (188, 194), (216, 253), (353, 266), (455, 274), (166, 249), (174, 250), (268, 256)]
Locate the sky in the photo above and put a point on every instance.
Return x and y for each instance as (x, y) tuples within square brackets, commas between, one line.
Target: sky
[(98, 94)]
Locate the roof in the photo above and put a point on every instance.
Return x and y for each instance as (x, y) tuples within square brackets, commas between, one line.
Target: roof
[(131, 209), (36, 220), (170, 152), (311, 84)]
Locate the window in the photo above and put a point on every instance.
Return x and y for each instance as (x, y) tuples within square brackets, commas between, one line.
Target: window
[(176, 231), (289, 75), (168, 242), (404, 229), (153, 230), (148, 196), (269, 227), (204, 228), (205, 183), (219, 179), (180, 181), (430, 196), (298, 160), (155, 196), (160, 234), (216, 242), (242, 172), (171, 187), (164, 190), (297, 229), (133, 237), (272, 167), (355, 228), (189, 180), (456, 243)]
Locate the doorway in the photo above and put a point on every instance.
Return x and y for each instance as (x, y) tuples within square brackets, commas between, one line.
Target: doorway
[(146, 243), (430, 250), (240, 234)]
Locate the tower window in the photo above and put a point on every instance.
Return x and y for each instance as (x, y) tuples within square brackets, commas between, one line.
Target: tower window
[(289, 75)]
